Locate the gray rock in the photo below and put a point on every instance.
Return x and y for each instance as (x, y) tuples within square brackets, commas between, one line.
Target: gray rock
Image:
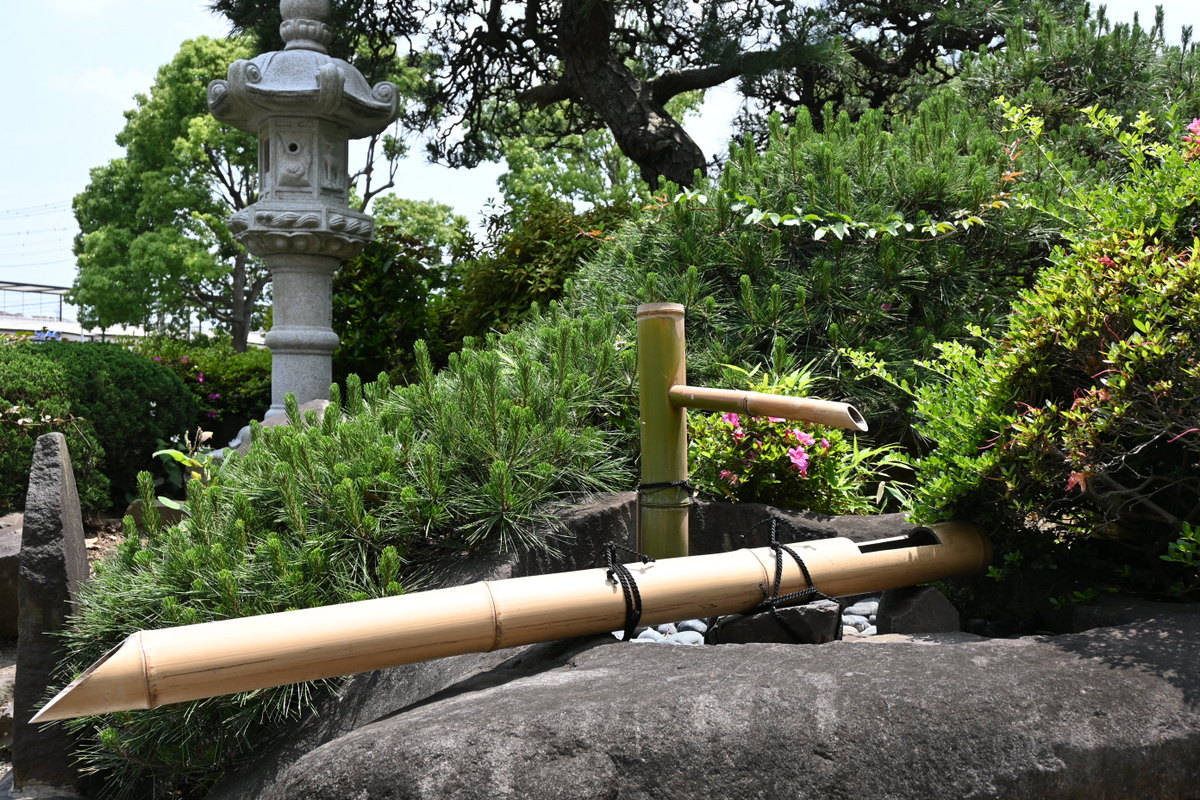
[(582, 529), (697, 625), (855, 621), (241, 442), (53, 568), (10, 570), (686, 637), (373, 695), (719, 527), (863, 608), (166, 514), (650, 635), (1116, 610), (870, 630), (1110, 714), (815, 623), (917, 609), (666, 629), (35, 791)]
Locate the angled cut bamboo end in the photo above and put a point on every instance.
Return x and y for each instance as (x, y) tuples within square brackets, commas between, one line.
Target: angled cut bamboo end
[(759, 404), (118, 681)]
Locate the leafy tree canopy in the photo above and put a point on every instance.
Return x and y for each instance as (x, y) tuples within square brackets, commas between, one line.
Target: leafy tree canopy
[(154, 248), (616, 63)]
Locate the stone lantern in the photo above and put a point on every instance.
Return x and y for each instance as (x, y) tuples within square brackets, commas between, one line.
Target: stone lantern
[(305, 106)]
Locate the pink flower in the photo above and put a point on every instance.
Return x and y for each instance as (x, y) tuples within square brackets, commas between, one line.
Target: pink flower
[(200, 378), (738, 434), (156, 358), (1105, 261), (885, 306), (729, 476), (212, 415), (214, 396), (825, 444), (799, 460), (183, 359), (730, 418), (803, 438), (1194, 127), (775, 419)]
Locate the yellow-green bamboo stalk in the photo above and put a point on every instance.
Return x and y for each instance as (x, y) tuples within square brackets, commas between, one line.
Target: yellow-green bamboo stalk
[(758, 404), (662, 511), (156, 667)]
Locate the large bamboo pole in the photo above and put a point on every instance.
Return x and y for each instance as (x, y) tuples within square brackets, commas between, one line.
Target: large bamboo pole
[(663, 500), (171, 665)]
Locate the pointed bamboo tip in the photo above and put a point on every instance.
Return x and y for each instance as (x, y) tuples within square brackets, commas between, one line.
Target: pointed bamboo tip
[(117, 682)]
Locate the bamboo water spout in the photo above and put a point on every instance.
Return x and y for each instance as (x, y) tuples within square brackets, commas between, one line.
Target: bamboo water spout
[(171, 665), (664, 397), (758, 404)]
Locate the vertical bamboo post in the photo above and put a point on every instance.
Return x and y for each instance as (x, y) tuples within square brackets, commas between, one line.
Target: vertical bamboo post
[(662, 528)]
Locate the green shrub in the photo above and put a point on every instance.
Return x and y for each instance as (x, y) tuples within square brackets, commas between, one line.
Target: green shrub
[(532, 255), (393, 293), (230, 388), (468, 460), (863, 236), (34, 399), (785, 463), (1063, 67), (126, 402), (1076, 435)]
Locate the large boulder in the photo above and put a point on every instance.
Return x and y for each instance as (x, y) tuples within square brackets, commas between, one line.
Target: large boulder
[(1110, 713), (585, 528)]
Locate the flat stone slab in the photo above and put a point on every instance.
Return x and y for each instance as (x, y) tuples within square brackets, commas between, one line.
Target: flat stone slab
[(1108, 713)]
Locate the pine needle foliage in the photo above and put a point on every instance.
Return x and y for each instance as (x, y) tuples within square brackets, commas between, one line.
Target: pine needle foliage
[(740, 252), (351, 505)]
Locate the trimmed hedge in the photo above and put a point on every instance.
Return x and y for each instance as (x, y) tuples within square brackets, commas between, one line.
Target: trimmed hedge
[(113, 406)]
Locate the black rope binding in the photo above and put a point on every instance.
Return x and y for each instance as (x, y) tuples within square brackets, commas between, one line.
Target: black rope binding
[(619, 574), (683, 484), (773, 599)]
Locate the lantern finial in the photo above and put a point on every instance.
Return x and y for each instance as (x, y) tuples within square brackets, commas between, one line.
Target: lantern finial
[(303, 26)]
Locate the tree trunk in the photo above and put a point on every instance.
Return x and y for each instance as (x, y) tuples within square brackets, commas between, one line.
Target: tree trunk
[(242, 306), (595, 76)]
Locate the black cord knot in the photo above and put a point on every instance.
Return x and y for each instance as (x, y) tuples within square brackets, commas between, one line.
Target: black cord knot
[(620, 575)]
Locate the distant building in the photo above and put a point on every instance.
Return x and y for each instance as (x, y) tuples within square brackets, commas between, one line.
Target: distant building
[(30, 309)]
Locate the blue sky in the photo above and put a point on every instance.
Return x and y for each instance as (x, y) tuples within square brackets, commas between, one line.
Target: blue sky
[(104, 51)]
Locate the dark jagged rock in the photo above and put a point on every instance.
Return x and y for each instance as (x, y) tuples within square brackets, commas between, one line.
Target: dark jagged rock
[(916, 609), (10, 570), (53, 567), (815, 623)]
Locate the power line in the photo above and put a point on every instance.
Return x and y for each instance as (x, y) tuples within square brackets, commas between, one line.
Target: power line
[(30, 211), (31, 232), (59, 262)]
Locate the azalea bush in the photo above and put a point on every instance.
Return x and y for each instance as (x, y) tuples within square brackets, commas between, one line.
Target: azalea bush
[(1076, 433), (787, 463), (230, 388)]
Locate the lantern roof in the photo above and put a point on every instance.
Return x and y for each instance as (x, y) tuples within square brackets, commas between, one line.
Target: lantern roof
[(302, 80)]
